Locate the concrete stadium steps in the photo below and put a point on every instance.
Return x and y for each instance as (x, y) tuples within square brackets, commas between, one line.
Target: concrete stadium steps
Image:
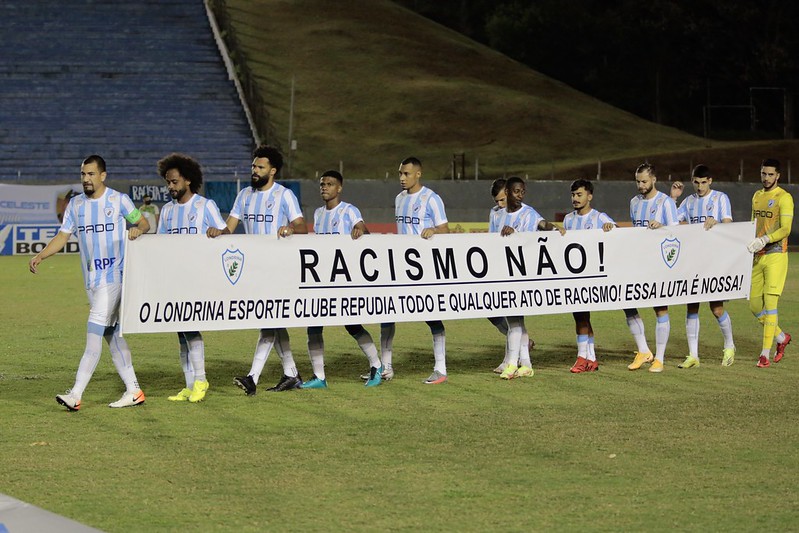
[(121, 172), (131, 81)]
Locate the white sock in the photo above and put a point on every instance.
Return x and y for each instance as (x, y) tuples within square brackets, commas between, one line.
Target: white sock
[(123, 360), (387, 343), (266, 340), (515, 332), (582, 346), (367, 346), (188, 373), (316, 351), (636, 326), (591, 356), (283, 349), (439, 345), (196, 354), (440, 351), (506, 360), (725, 324), (91, 356), (692, 334), (779, 338), (662, 330), (524, 348)]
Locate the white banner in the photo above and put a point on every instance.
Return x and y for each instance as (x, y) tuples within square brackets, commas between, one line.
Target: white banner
[(32, 204), (191, 282)]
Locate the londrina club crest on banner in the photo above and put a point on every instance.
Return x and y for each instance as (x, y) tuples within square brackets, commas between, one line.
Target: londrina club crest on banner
[(233, 264), (670, 251)]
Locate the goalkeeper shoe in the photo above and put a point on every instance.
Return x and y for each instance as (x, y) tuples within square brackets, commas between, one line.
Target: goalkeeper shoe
[(68, 400), (729, 357), (689, 362), (781, 348), (129, 399), (656, 367), (198, 391), (182, 396), (640, 359), (763, 362)]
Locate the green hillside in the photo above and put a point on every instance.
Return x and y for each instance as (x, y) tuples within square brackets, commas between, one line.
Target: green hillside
[(375, 83)]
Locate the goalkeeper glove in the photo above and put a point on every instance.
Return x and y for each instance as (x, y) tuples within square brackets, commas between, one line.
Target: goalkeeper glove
[(758, 244)]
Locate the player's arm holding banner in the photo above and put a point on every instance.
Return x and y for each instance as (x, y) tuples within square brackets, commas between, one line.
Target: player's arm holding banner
[(293, 214), (140, 227), (230, 227), (546, 225), (232, 221), (436, 214), (358, 230)]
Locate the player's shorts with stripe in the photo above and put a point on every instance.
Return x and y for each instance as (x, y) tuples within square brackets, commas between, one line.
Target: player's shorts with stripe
[(768, 274)]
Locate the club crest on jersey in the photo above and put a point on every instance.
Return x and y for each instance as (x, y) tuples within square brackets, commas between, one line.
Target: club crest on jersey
[(771, 203), (670, 251), (109, 212), (269, 205), (589, 225), (233, 264), (192, 217)]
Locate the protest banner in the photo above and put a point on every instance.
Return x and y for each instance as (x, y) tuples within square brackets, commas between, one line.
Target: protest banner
[(191, 282)]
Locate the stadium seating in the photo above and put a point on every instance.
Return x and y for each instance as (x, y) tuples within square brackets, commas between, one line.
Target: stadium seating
[(129, 80)]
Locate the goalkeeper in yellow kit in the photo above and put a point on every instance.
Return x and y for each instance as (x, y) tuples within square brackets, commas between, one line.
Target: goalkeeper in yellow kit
[(772, 210)]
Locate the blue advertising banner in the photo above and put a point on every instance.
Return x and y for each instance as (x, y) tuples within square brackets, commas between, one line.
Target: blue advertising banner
[(30, 239)]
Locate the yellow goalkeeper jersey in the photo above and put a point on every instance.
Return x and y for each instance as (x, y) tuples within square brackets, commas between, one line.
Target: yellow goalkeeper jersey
[(773, 213)]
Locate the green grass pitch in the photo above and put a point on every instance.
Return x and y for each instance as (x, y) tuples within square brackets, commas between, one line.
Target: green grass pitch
[(709, 448)]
